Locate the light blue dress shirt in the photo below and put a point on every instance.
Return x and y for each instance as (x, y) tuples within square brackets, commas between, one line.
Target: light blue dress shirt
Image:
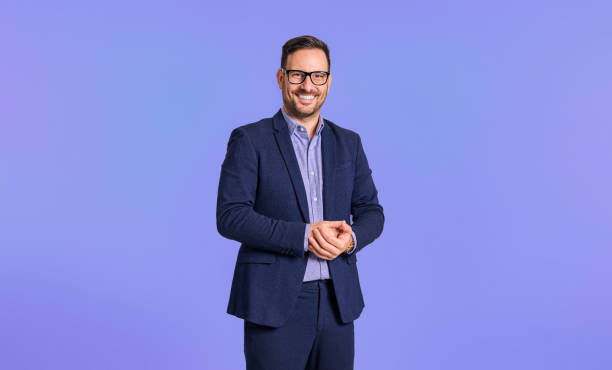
[(308, 154)]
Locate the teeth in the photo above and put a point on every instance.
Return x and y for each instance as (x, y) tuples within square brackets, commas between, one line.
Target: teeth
[(306, 96)]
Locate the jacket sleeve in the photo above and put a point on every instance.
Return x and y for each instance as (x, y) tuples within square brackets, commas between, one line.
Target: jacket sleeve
[(368, 217), (236, 218)]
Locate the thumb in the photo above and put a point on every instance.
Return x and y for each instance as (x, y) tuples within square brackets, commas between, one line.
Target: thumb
[(342, 226), (346, 227)]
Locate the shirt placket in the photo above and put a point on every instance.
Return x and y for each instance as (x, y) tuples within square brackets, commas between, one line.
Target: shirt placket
[(314, 190), (312, 179)]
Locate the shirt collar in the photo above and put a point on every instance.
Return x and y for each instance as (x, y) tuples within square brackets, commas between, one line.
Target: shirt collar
[(293, 125)]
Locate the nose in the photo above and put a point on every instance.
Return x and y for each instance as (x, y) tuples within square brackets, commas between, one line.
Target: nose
[(307, 85)]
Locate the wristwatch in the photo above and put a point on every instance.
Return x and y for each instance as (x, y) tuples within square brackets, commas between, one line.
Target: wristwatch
[(350, 245)]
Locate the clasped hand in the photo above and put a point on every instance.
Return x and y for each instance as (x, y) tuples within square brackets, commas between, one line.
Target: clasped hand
[(327, 239)]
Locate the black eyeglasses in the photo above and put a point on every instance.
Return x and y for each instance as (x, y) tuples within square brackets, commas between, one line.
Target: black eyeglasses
[(296, 77)]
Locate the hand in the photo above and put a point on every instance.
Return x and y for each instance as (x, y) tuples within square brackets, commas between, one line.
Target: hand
[(328, 239)]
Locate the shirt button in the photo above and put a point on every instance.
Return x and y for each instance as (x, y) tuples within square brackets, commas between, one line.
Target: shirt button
[(312, 173), (315, 199)]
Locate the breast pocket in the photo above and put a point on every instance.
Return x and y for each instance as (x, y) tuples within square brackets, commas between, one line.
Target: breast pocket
[(344, 166)]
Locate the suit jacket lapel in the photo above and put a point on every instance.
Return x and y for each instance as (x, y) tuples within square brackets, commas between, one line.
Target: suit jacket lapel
[(328, 152), (283, 140)]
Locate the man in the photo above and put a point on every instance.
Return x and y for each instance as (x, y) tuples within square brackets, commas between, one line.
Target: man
[(288, 188)]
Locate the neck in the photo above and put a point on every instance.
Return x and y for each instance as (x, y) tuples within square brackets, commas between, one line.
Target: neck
[(309, 122)]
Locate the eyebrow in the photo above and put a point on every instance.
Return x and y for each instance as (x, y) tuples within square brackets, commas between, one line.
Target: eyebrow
[(301, 70)]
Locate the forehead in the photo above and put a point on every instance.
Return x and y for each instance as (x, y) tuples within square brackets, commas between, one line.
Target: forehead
[(307, 60)]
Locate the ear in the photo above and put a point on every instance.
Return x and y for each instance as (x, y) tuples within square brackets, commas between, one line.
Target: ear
[(279, 78)]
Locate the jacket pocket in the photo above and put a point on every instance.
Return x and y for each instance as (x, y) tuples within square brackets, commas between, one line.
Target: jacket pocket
[(256, 257)]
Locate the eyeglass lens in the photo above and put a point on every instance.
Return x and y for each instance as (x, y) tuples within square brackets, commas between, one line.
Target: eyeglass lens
[(297, 77)]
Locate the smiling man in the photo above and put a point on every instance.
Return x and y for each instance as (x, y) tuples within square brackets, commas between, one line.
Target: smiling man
[(290, 186)]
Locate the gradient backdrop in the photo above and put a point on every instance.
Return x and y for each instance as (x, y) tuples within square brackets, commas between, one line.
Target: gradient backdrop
[(487, 126)]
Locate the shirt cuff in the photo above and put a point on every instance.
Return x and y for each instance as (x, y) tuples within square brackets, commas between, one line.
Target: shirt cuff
[(354, 246), (306, 237)]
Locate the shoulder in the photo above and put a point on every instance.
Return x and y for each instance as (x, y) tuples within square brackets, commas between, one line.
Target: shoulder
[(255, 129), (256, 135), (341, 133)]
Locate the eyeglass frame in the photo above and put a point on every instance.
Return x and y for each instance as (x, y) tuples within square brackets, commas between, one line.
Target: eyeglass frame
[(306, 74)]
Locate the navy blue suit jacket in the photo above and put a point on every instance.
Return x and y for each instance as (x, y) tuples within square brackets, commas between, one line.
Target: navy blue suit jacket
[(262, 204)]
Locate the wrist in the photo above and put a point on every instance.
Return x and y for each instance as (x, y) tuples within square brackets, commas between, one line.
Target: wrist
[(350, 245)]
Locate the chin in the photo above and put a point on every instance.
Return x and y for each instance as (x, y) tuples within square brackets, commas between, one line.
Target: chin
[(306, 110), (306, 113)]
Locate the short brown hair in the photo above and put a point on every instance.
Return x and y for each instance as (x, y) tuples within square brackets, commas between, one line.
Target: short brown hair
[(303, 42)]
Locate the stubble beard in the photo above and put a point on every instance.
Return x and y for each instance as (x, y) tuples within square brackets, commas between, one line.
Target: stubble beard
[(292, 109)]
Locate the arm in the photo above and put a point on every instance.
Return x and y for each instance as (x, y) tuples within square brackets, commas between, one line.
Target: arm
[(368, 217), (236, 218)]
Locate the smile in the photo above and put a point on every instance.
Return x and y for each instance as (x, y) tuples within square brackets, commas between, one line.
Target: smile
[(307, 97)]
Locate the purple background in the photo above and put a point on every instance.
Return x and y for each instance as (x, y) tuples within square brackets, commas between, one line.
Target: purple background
[(487, 127)]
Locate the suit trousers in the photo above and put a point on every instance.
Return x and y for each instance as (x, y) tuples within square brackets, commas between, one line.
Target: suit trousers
[(314, 337)]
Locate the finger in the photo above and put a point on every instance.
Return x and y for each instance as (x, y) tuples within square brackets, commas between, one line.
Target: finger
[(313, 226), (346, 227), (325, 244), (334, 224), (338, 225), (316, 248), (312, 249), (332, 233), (341, 231), (318, 252), (330, 236), (321, 224), (344, 238)]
